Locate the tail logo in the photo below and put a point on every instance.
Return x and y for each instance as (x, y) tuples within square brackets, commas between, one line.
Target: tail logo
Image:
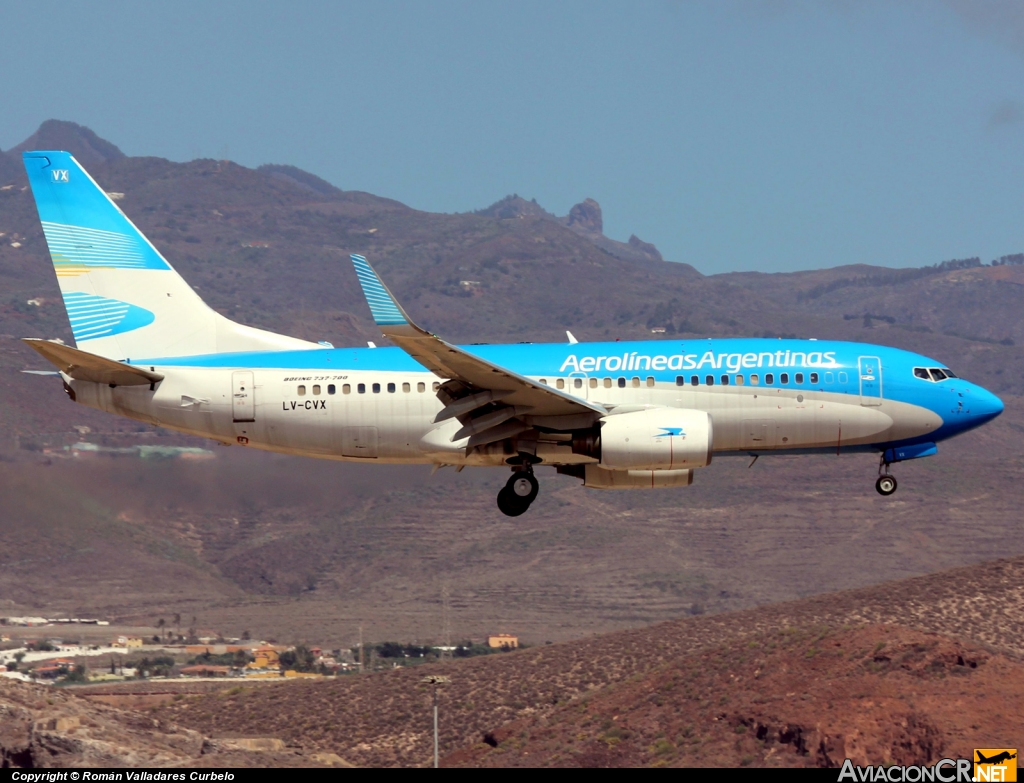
[(94, 316)]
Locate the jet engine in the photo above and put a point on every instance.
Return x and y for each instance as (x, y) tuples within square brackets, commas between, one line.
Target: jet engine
[(656, 439)]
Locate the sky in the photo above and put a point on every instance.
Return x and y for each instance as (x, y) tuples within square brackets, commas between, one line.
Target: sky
[(769, 136)]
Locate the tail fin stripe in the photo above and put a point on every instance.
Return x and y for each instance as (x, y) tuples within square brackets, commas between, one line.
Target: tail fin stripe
[(94, 247)]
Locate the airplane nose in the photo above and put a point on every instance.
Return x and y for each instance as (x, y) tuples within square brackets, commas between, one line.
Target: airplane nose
[(985, 404)]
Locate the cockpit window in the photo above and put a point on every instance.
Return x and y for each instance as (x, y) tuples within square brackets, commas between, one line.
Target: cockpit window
[(921, 372), (938, 374), (949, 373)]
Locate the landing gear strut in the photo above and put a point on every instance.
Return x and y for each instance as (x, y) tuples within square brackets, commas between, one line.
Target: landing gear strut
[(520, 491), (886, 483)]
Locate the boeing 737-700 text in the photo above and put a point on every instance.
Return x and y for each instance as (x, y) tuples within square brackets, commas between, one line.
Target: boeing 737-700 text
[(617, 415)]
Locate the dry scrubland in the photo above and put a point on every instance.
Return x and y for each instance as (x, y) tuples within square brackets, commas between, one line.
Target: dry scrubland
[(856, 701), (904, 672)]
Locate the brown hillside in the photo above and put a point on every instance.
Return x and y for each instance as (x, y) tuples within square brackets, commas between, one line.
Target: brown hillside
[(382, 719), (876, 695), (44, 726)]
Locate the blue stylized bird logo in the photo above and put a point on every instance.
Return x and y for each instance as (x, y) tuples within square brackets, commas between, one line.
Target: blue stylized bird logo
[(669, 432)]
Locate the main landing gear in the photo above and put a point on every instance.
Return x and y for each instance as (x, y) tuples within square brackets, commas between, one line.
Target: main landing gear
[(520, 491), (886, 483)]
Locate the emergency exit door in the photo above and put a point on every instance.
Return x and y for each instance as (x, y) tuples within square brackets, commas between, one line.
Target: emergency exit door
[(243, 398)]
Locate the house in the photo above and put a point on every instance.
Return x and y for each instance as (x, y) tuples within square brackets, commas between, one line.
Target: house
[(127, 641), (265, 657), (501, 640)]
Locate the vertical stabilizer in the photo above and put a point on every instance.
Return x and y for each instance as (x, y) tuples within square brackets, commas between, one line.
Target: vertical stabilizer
[(122, 297)]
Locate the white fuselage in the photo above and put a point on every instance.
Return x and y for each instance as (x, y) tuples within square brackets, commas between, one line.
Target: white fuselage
[(324, 414)]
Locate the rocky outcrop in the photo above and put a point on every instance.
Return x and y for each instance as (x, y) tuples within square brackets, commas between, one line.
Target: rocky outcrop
[(587, 216)]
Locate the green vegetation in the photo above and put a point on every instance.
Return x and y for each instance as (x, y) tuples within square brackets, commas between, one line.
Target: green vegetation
[(236, 659)]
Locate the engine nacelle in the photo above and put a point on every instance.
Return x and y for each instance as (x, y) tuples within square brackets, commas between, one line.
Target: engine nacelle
[(656, 439)]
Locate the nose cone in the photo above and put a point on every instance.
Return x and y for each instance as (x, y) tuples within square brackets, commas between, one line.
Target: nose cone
[(985, 406)]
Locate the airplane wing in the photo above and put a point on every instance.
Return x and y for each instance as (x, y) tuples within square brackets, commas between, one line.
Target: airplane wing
[(478, 383), (85, 366)]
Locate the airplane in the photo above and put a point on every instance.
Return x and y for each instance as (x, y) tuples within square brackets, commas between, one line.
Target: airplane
[(617, 415), (996, 759)]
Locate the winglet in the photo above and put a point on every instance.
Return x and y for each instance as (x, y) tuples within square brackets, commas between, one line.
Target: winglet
[(385, 309)]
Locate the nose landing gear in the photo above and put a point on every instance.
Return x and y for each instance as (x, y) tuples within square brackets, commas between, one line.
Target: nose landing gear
[(517, 495), (886, 483)]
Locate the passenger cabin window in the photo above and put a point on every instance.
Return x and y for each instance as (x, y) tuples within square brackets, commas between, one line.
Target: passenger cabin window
[(391, 388), (650, 381), (938, 374), (710, 380), (593, 383), (828, 377), (754, 380), (622, 383), (346, 388), (739, 380), (799, 377), (769, 378), (376, 388), (435, 385), (560, 383), (577, 383), (331, 388), (694, 380), (316, 389), (406, 387), (302, 391), (784, 378), (814, 377), (607, 383), (725, 380), (636, 383), (361, 388), (421, 386), (680, 380)]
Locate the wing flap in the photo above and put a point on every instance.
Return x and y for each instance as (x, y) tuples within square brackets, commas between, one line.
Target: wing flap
[(84, 366)]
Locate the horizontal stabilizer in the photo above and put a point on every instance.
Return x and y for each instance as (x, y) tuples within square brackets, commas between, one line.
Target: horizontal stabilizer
[(83, 366)]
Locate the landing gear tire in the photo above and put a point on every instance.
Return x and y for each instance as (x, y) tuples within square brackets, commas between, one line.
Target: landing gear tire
[(518, 493), (885, 485), (524, 486), (510, 504)]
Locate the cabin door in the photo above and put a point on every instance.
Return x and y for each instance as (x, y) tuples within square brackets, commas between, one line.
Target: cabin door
[(870, 371), (243, 398)]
